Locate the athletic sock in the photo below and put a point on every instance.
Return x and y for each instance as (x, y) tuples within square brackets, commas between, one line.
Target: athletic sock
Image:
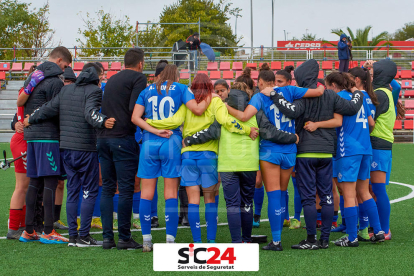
[(194, 220), (171, 216), (50, 184), (14, 218), (116, 200), (342, 208), (258, 200), (363, 217), (297, 200), (145, 216), (335, 217), (97, 208), (371, 211), (135, 203), (211, 220), (319, 215), (154, 203), (23, 217), (351, 216), (283, 195), (383, 205), (287, 205), (216, 199), (58, 208), (274, 213)]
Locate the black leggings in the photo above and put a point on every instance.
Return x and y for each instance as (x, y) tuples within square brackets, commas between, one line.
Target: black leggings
[(48, 184)]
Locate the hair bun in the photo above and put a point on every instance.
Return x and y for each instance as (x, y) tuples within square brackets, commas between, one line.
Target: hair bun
[(289, 68), (247, 72), (265, 66)]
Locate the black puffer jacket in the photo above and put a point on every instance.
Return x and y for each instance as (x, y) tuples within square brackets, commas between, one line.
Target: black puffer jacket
[(77, 106), (44, 92), (323, 140)]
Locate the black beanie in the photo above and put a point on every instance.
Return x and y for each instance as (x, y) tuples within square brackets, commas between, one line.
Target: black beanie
[(68, 74), (238, 99)]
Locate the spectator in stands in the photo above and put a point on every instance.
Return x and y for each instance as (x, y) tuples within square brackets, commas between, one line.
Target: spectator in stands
[(193, 42), (343, 53)]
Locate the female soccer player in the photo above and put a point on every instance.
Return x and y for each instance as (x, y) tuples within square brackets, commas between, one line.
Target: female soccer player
[(199, 162), (276, 161), (161, 149)]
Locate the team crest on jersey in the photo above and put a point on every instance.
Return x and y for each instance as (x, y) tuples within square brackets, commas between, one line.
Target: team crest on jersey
[(374, 164), (339, 175)]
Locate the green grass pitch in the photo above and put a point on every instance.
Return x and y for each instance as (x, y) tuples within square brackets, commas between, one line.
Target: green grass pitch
[(393, 257)]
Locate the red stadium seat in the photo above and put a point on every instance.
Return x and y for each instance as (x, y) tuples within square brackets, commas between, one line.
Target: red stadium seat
[(252, 65), (288, 63), (202, 72), (110, 74), (409, 104), (105, 65), (237, 66), (409, 94), (353, 64), (406, 74), (406, 84), (336, 65), (2, 75), (238, 74), (4, 66), (409, 112), (184, 75), (78, 66), (408, 124), (362, 63), (228, 75), (397, 76), (276, 65), (412, 65), (77, 73), (215, 75), (27, 66), (212, 66), (224, 66), (299, 63), (115, 66), (326, 65), (228, 82), (17, 67), (321, 75), (398, 124), (255, 75)]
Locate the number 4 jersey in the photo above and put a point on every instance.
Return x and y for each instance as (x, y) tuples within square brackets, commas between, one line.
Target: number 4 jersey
[(164, 105), (353, 135)]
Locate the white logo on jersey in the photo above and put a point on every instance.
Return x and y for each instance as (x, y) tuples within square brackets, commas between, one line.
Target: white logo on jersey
[(339, 175), (374, 164)]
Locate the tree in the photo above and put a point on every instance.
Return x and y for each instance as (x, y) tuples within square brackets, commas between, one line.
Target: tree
[(213, 17), (361, 37), (307, 37), (405, 32), (103, 32)]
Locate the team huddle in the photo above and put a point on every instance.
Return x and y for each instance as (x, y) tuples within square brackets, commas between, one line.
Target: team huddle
[(113, 140)]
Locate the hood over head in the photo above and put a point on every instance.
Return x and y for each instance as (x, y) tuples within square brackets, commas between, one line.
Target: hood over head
[(49, 69), (342, 36), (384, 72), (306, 75), (69, 75), (88, 76), (238, 99)]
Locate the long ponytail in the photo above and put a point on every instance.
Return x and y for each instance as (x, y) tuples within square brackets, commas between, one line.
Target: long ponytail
[(365, 77), (342, 80)]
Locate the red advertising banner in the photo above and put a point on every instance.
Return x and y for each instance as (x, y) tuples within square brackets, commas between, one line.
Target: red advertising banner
[(319, 45)]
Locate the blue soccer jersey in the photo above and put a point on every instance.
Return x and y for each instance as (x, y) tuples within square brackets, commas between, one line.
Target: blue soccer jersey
[(371, 106), (277, 118), (353, 135), (164, 105)]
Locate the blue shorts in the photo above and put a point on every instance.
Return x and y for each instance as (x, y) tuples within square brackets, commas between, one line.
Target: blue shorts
[(352, 168), (382, 161), (43, 159), (160, 157), (284, 160), (199, 172)]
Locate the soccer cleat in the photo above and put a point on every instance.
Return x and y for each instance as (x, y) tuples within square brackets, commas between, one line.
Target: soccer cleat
[(379, 237), (147, 246), (128, 244), (136, 224), (388, 235), (155, 223), (184, 222), (53, 238), (294, 224), (108, 244), (334, 225), (256, 221), (78, 222), (340, 228), (14, 234), (96, 223), (323, 244), (72, 240), (87, 241), (344, 237), (115, 225), (347, 243), (363, 235), (274, 246), (60, 225), (26, 237), (306, 245), (286, 223)]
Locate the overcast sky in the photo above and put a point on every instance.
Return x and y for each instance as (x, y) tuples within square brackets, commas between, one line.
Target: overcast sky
[(318, 16)]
